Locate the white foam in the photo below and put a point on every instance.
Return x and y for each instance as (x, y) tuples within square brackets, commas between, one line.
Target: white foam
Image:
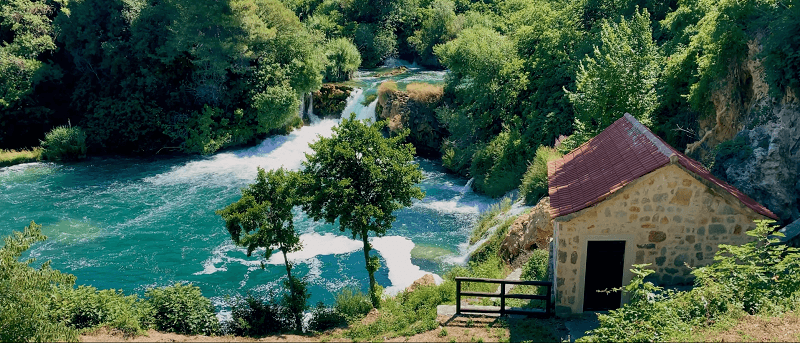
[(219, 256), (275, 152), (315, 244), (396, 251), (448, 206)]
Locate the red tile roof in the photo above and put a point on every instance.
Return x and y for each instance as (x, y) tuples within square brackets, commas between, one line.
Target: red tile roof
[(622, 153)]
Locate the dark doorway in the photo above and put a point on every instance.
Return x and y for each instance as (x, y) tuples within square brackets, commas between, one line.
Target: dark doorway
[(604, 266)]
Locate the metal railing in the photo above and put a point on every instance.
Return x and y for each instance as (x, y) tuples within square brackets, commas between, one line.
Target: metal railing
[(547, 311)]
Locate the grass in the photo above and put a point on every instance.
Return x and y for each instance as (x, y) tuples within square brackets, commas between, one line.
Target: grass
[(12, 157)]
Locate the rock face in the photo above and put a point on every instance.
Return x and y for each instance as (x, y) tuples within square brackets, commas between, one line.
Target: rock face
[(530, 231), (414, 109), (426, 280), (745, 111), (330, 100)]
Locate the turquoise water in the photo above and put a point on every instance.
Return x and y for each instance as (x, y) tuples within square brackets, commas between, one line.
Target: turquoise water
[(135, 223)]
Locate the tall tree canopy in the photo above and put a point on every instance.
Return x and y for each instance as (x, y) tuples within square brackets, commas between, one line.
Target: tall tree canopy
[(619, 78), (360, 178)]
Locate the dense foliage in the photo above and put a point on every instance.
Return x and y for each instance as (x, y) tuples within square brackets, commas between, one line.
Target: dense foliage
[(360, 178), (26, 293), (198, 76)]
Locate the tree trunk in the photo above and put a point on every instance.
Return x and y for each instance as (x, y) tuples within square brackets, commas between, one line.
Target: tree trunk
[(298, 316), (373, 286)]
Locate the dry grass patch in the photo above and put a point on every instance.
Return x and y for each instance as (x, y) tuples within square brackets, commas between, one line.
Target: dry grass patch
[(749, 328), (425, 93), (12, 157)]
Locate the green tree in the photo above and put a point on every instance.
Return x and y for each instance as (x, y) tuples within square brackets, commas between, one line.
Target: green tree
[(360, 178), (343, 60), (438, 26), (263, 218), (619, 78), (26, 293)]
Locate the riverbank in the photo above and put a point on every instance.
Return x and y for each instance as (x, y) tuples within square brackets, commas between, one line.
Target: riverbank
[(13, 157)]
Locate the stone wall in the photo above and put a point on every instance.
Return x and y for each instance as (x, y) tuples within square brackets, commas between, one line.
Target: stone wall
[(668, 218)]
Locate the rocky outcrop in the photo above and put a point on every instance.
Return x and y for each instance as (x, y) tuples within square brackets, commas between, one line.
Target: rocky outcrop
[(426, 280), (530, 231), (414, 109), (746, 112), (330, 100)]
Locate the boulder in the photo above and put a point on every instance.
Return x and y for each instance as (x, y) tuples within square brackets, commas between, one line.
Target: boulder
[(426, 280), (530, 231)]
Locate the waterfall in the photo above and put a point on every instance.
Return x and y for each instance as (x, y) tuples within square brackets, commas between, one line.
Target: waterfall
[(311, 104), (468, 186)]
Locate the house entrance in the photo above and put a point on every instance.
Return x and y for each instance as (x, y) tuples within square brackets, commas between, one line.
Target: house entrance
[(604, 267)]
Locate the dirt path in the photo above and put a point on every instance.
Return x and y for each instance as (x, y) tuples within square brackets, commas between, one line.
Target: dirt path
[(451, 329)]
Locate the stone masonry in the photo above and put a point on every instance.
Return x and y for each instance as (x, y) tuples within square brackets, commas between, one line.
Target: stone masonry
[(668, 217)]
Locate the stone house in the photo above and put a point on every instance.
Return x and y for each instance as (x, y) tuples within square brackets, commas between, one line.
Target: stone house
[(626, 197)]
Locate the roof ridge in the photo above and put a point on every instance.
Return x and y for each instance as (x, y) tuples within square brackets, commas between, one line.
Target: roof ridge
[(659, 144)]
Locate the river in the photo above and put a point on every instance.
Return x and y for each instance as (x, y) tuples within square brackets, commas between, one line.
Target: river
[(135, 223)]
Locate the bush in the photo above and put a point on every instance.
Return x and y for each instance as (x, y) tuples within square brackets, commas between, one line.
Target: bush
[(86, 307), (352, 303), (536, 267), (325, 318), (26, 293), (259, 317), (534, 182), (64, 143), (182, 309), (343, 60)]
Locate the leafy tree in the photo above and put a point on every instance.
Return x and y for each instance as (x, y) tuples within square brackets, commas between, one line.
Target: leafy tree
[(343, 60), (360, 178), (438, 26), (620, 78), (26, 293), (262, 218)]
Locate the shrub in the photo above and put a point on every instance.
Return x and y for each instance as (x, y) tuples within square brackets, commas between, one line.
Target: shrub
[(64, 143), (86, 307), (352, 303), (325, 318), (26, 293), (182, 309), (534, 182), (536, 267), (259, 317)]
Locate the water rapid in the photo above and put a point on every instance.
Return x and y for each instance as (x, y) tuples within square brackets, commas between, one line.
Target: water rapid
[(135, 223)]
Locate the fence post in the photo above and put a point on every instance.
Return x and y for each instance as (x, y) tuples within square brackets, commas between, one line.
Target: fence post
[(502, 298), (549, 299), (458, 296)]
